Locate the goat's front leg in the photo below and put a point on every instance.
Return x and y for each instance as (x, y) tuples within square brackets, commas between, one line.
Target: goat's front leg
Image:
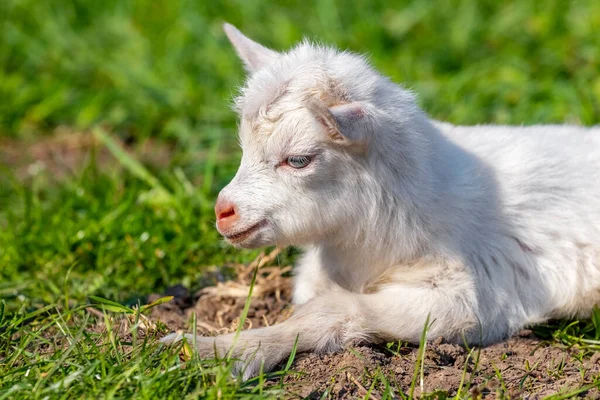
[(310, 279), (329, 322)]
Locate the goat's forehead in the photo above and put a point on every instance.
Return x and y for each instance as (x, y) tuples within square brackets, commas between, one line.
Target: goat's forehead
[(284, 85), (291, 132), (304, 70), (262, 100), (272, 105), (283, 109)]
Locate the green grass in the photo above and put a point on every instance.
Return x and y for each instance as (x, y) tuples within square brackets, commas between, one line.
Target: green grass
[(161, 72)]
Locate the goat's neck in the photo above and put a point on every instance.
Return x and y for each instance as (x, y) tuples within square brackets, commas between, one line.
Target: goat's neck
[(416, 216)]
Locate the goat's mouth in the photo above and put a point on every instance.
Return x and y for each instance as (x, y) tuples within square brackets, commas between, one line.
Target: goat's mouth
[(246, 233)]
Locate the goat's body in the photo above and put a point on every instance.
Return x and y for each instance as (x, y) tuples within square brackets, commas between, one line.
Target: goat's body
[(533, 254), (482, 229), (548, 180)]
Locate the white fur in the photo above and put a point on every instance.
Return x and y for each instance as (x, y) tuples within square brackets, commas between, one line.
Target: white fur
[(487, 229)]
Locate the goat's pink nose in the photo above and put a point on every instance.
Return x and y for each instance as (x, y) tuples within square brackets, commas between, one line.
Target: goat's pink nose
[(226, 214)]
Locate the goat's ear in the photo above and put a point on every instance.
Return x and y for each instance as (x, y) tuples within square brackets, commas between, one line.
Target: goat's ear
[(346, 124), (254, 55)]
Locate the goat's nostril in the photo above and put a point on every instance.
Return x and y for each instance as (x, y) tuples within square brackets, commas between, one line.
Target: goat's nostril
[(228, 212)]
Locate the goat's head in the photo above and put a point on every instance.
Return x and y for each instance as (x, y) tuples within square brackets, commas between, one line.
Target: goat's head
[(306, 123)]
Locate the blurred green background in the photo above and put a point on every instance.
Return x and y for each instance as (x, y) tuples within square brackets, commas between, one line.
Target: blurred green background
[(161, 74), (164, 68)]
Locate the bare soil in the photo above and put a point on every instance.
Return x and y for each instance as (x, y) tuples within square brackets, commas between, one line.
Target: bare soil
[(65, 152), (521, 367)]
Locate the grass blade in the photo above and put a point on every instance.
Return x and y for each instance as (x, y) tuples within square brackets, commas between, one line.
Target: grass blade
[(156, 303), (419, 372), (158, 192), (110, 305)]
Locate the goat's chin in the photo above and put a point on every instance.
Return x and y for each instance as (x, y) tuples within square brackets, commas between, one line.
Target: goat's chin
[(251, 243)]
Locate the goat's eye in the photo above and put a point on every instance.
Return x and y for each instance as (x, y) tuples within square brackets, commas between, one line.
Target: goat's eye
[(298, 161)]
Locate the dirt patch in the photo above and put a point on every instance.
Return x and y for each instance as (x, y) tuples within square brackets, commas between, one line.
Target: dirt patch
[(217, 308), (66, 152), (524, 366), (520, 367)]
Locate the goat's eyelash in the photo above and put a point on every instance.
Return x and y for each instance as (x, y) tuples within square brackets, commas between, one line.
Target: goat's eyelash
[(298, 162)]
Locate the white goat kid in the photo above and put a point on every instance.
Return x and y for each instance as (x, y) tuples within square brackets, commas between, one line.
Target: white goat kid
[(486, 229)]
